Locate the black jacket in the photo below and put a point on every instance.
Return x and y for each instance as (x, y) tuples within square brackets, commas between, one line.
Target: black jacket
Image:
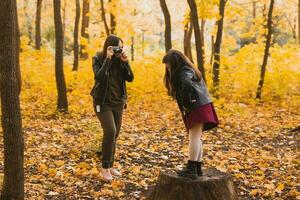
[(101, 75), (190, 92)]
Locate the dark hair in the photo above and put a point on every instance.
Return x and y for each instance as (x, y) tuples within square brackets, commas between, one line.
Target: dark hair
[(111, 40), (176, 59)]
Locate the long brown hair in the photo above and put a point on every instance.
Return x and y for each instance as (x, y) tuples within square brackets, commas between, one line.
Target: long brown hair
[(176, 59), (111, 40)]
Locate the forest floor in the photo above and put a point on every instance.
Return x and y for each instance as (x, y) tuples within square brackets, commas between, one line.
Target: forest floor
[(253, 142)]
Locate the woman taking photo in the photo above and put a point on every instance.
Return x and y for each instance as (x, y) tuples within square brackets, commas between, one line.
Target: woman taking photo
[(187, 87), (111, 71)]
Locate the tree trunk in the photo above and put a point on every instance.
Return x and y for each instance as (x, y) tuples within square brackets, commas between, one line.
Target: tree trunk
[(28, 21), (62, 101), (212, 49), (113, 22), (104, 17), (13, 182), (197, 33), (266, 55), (217, 49), (202, 31), (213, 185), (254, 9), (299, 21), (168, 42), (187, 46), (132, 48), (76, 33), (85, 27), (38, 25)]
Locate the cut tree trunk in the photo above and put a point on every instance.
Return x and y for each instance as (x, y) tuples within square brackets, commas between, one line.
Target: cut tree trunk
[(197, 35), (76, 33), (13, 181), (168, 41), (213, 185)]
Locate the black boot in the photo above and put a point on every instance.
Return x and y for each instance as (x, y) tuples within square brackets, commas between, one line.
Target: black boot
[(199, 168), (190, 170)]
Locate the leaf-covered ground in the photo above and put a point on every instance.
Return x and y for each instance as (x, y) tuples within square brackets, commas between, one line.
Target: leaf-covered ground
[(253, 142)]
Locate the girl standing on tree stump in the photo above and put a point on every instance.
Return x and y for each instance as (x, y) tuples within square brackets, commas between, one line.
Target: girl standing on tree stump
[(185, 84), (111, 71)]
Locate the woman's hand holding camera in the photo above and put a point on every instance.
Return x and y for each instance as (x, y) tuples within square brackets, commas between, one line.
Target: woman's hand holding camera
[(124, 57), (109, 52)]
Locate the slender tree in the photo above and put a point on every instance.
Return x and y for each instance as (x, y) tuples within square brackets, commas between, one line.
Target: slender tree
[(267, 49), (197, 33), (62, 101), (104, 17), (13, 182), (188, 31), (299, 21), (38, 24), (113, 22), (84, 27), (168, 42), (132, 48), (76, 35), (217, 49)]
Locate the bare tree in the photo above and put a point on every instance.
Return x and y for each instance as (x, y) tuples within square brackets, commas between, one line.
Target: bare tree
[(113, 22), (38, 24), (13, 182), (267, 48), (299, 21), (168, 42), (217, 49), (104, 17), (84, 27), (188, 31), (76, 35), (197, 33), (62, 101)]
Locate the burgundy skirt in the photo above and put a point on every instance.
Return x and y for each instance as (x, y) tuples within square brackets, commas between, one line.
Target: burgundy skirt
[(205, 114)]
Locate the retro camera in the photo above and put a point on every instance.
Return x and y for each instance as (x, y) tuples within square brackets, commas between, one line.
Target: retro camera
[(117, 49)]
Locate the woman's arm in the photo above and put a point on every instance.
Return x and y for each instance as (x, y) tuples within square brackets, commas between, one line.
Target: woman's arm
[(101, 70), (186, 89), (128, 74)]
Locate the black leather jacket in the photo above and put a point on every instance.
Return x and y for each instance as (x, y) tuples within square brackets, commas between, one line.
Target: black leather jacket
[(101, 75), (190, 91)]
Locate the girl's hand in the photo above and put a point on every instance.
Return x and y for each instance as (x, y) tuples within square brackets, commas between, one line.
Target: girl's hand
[(124, 57), (109, 52)]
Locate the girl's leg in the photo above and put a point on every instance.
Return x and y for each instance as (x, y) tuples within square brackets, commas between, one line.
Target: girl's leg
[(108, 142), (195, 143), (118, 122), (200, 156)]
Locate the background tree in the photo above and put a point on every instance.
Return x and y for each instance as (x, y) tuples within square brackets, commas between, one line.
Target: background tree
[(76, 33), (13, 182), (113, 22), (62, 101), (103, 16), (266, 54), (197, 33), (299, 21), (38, 24), (217, 49), (85, 27), (188, 31), (168, 42)]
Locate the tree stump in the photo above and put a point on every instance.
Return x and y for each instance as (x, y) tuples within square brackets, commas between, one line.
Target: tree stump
[(213, 185)]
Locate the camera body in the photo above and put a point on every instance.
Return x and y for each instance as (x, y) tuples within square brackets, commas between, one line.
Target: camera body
[(117, 49)]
